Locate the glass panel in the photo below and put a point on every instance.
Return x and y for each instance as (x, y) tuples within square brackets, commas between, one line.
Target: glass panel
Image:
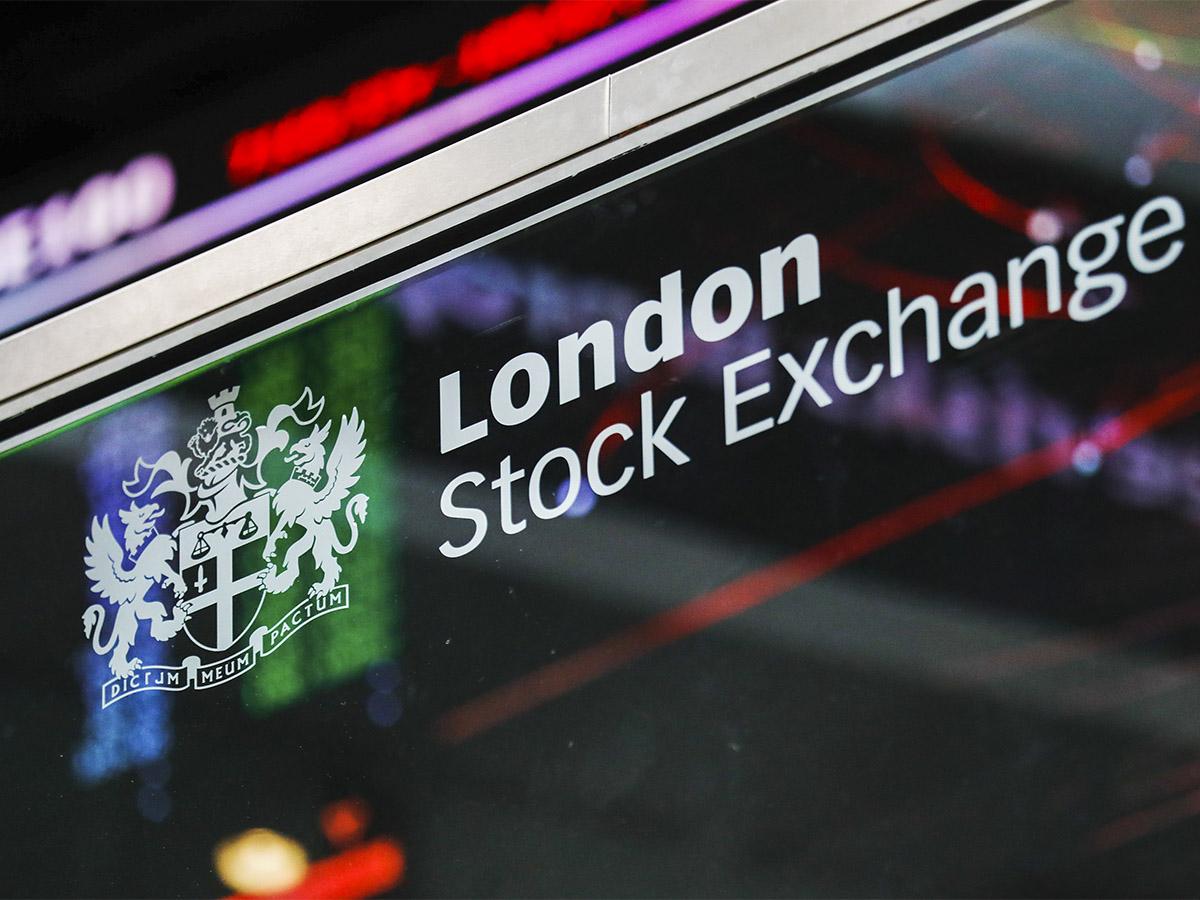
[(817, 515)]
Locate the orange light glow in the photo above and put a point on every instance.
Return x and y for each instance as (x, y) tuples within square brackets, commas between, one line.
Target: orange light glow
[(260, 861), (345, 822)]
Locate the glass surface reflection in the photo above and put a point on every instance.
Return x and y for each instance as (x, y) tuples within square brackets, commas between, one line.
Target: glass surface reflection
[(932, 630)]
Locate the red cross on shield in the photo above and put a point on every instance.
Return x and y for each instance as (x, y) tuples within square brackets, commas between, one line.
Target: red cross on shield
[(220, 564)]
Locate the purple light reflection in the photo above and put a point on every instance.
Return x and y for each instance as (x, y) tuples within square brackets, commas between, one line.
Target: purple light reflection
[(254, 204)]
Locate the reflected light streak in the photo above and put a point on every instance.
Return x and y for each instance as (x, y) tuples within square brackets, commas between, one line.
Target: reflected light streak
[(1148, 681), (1043, 654), (970, 191), (1149, 48), (1180, 777), (360, 872), (1137, 825), (843, 260), (1176, 92), (1170, 146), (1177, 399)]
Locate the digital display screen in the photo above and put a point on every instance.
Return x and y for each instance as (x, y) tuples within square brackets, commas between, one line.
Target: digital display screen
[(812, 513)]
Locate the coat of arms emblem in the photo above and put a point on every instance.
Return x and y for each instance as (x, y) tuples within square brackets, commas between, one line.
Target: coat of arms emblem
[(238, 541)]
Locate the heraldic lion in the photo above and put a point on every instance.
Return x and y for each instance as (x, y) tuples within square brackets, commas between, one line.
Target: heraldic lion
[(126, 587)]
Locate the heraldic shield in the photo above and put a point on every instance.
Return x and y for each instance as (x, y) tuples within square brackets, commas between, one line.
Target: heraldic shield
[(222, 567)]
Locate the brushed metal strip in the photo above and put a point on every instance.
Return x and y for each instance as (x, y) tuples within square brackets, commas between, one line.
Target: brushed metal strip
[(756, 43)]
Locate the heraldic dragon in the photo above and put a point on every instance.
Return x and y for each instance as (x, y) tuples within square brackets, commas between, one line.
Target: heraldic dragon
[(126, 587), (299, 503)]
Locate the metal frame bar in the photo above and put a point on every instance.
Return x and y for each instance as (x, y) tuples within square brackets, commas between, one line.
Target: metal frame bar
[(673, 90)]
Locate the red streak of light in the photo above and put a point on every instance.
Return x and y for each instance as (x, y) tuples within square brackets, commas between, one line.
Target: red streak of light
[(1059, 651), (843, 260), (1175, 400), (963, 186), (1168, 812), (852, 155), (884, 219), (1171, 146), (1157, 84), (1146, 682), (1179, 778), (841, 256), (361, 872), (1139, 824), (1171, 782)]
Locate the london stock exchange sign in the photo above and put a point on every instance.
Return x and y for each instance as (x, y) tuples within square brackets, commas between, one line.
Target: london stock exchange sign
[(239, 539)]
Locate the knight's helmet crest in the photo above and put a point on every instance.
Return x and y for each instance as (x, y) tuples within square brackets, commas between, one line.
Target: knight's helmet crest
[(221, 404), (223, 442)]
